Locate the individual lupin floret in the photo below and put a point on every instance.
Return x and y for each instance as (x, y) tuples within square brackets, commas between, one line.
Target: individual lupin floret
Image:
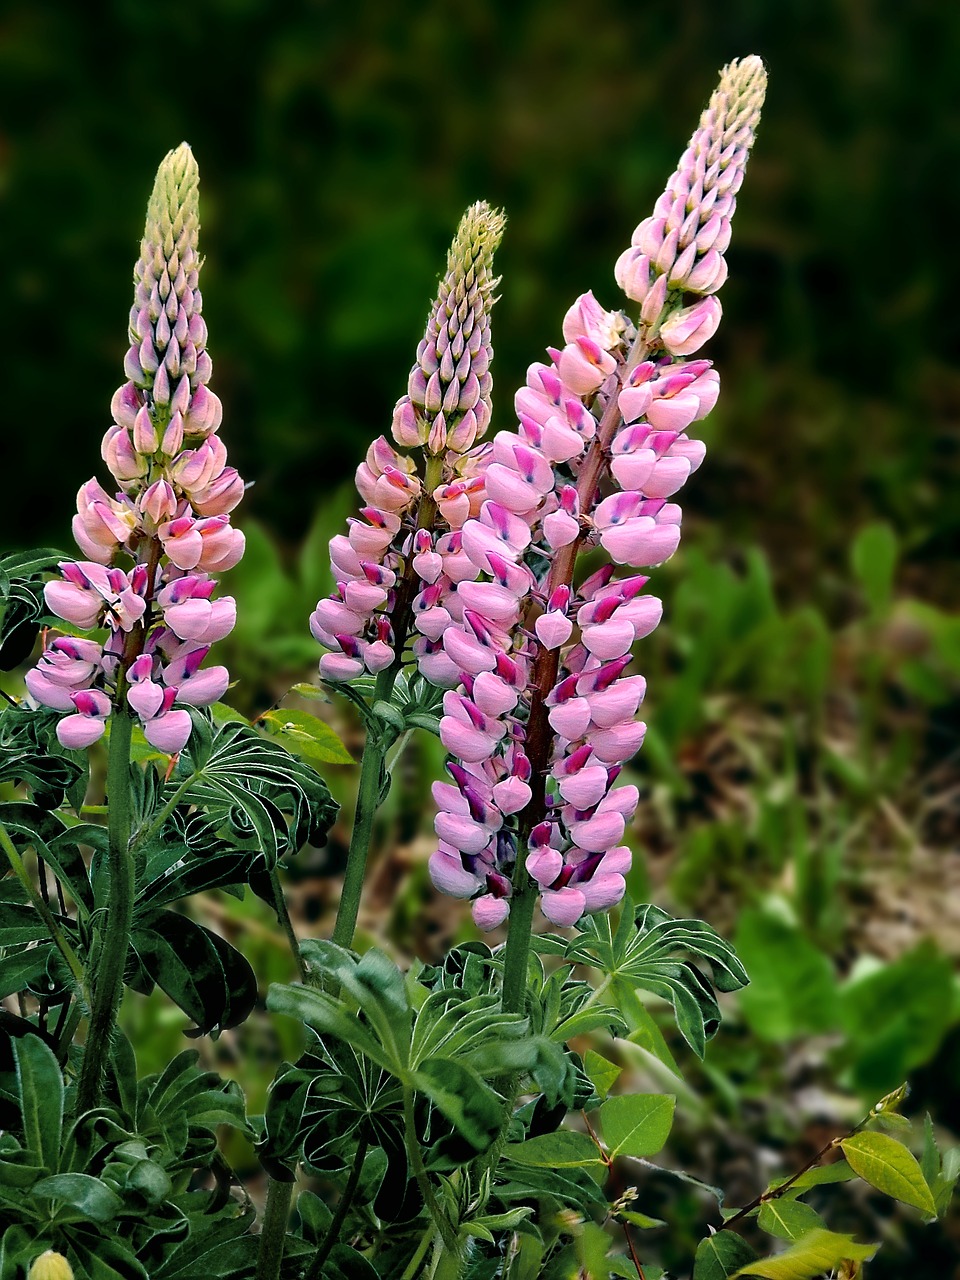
[(170, 516), (542, 664)]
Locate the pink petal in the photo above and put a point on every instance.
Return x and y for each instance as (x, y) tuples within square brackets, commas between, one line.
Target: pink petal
[(169, 733), (78, 731), (599, 833), (563, 907), (490, 911), (544, 865), (450, 876)]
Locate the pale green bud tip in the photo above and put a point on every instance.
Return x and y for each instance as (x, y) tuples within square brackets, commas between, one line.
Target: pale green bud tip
[(738, 98), (478, 236), (50, 1266), (173, 211)]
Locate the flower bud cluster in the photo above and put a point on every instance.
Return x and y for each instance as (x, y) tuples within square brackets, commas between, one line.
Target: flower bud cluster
[(544, 715), (681, 246), (407, 540), (170, 513)]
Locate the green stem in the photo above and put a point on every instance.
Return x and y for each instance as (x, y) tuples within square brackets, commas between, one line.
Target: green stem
[(56, 933), (165, 812), (315, 1269), (517, 950), (412, 1142), (283, 915), (107, 987), (416, 1262), (273, 1234), (368, 801)]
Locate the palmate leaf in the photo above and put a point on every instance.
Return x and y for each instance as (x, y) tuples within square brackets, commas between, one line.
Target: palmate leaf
[(649, 950), (204, 976), (30, 753), (22, 606), (252, 784)]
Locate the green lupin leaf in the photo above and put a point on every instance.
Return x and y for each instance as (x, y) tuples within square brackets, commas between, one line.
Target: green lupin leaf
[(40, 1086)]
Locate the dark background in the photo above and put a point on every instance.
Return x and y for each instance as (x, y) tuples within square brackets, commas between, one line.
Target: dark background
[(338, 145)]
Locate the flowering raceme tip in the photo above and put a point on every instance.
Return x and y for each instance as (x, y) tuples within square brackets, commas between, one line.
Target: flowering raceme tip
[(155, 543), (407, 541), (541, 713)]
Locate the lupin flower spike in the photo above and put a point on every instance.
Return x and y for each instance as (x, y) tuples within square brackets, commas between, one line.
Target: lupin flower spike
[(168, 522), (544, 715), (399, 562)]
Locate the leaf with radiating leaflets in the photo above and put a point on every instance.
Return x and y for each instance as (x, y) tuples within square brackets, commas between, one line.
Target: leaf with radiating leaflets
[(812, 1255), (887, 1165), (652, 951)]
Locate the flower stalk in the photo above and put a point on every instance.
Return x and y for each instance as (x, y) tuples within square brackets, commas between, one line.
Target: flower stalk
[(385, 562), (540, 717), (153, 548)]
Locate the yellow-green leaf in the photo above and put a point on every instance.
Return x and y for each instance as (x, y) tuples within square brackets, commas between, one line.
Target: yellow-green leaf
[(601, 1073), (812, 1255), (307, 736), (788, 1219), (637, 1124), (887, 1165)]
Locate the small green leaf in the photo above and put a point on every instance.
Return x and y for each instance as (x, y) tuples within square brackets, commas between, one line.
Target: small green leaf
[(637, 1124), (822, 1176), (41, 1098), (89, 1195), (815, 1253), (307, 736), (788, 1219), (719, 1256), (887, 1165), (601, 1072), (561, 1150)]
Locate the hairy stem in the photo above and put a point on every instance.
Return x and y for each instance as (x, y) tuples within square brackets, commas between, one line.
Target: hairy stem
[(273, 1233), (107, 987), (286, 924), (368, 801), (517, 949), (315, 1270), (416, 1262), (412, 1143)]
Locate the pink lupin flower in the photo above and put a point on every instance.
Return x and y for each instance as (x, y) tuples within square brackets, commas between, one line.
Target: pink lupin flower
[(410, 516), (614, 405), (170, 515)]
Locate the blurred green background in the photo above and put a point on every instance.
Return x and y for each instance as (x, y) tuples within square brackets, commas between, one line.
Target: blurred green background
[(338, 145), (801, 776)]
